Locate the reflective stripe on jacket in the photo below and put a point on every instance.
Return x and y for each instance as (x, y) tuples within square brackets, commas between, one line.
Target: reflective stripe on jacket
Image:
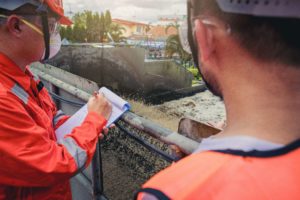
[(33, 164), (231, 174)]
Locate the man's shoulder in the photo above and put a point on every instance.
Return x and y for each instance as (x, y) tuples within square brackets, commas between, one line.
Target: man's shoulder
[(202, 165), (7, 96), (224, 173), (190, 174), (208, 165)]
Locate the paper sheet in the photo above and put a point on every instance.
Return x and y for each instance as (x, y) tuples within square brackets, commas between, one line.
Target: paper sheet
[(119, 106)]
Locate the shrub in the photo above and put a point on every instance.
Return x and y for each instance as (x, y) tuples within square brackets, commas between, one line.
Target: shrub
[(195, 72)]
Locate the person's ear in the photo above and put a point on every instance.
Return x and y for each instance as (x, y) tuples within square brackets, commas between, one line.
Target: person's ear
[(14, 26), (205, 40)]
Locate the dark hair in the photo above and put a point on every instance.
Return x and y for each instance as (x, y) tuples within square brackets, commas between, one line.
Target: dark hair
[(266, 38)]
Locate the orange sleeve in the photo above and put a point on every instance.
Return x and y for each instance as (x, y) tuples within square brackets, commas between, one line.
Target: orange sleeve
[(30, 159), (87, 134)]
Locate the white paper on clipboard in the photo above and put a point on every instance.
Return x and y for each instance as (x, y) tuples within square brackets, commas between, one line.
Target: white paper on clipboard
[(119, 107)]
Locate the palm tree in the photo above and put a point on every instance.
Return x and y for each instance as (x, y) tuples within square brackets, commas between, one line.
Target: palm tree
[(173, 45), (116, 32)]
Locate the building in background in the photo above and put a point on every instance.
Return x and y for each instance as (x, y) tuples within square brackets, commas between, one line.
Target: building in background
[(132, 28), (158, 30), (153, 35)]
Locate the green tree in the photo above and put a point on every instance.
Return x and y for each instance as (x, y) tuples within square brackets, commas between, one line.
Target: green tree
[(96, 27), (79, 33), (92, 27), (63, 32), (102, 28), (173, 45), (79, 28), (79, 19), (89, 26), (69, 33), (108, 20), (116, 32)]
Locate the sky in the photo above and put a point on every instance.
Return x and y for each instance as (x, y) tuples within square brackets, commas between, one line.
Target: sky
[(138, 10)]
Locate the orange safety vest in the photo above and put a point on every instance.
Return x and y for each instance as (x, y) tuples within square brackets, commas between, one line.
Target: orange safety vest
[(229, 175), (33, 164)]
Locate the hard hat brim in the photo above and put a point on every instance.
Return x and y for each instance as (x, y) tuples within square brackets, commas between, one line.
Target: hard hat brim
[(65, 21), (59, 11)]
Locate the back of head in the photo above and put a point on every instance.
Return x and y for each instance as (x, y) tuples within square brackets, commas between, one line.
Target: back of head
[(268, 29)]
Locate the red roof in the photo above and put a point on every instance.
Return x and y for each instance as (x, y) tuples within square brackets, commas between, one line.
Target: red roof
[(128, 23)]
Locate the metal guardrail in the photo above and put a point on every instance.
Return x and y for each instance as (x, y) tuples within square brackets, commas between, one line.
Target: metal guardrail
[(165, 135), (74, 91), (149, 146)]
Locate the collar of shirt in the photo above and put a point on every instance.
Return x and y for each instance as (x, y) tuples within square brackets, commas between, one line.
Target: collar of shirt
[(12, 71), (241, 143)]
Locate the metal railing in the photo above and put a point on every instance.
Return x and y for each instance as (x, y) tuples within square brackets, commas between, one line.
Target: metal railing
[(167, 136), (91, 179)]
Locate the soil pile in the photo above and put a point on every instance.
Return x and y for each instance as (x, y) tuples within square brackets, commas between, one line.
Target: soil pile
[(204, 107)]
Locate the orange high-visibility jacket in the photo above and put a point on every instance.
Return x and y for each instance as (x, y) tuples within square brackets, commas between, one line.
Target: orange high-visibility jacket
[(33, 165), (230, 175)]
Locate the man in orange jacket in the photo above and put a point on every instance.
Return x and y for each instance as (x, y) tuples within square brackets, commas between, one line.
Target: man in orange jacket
[(34, 165), (248, 53)]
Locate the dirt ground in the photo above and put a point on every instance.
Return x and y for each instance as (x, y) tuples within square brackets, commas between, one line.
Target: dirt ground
[(204, 107)]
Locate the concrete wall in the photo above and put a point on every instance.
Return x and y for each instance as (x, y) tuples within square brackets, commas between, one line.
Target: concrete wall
[(166, 75), (122, 69)]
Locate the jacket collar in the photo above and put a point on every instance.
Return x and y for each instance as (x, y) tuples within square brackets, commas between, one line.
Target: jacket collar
[(14, 72)]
